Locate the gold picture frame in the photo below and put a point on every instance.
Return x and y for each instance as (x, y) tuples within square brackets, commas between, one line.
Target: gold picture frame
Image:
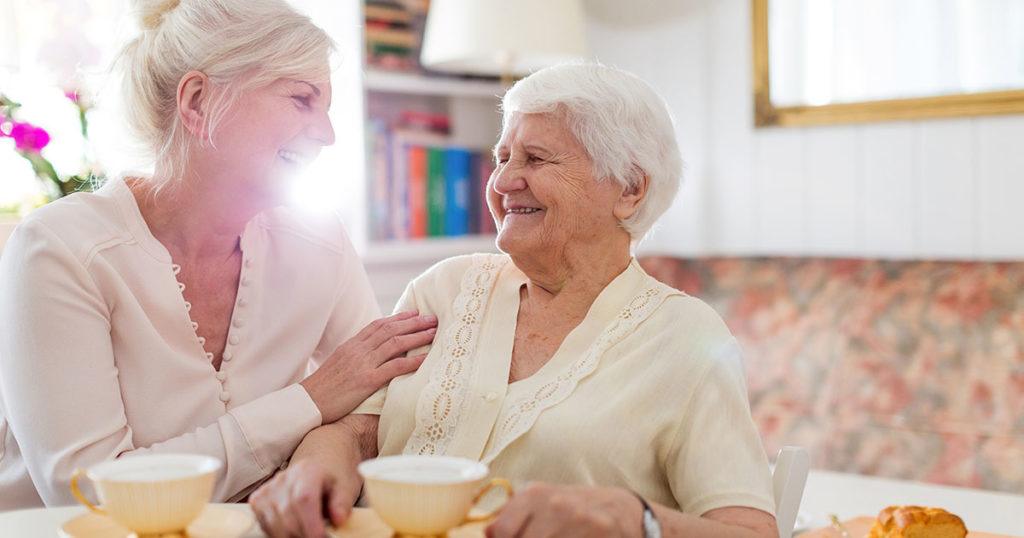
[(766, 114)]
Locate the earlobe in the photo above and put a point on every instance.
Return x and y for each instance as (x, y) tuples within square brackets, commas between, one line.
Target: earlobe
[(193, 93)]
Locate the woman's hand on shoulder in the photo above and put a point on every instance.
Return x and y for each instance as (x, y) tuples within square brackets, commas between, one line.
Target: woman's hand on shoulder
[(541, 509), (368, 361)]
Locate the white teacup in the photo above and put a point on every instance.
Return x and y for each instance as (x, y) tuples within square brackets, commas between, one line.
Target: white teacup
[(151, 494), (426, 495)]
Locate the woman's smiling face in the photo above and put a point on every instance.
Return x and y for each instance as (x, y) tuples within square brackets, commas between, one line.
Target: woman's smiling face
[(273, 132), (543, 194)]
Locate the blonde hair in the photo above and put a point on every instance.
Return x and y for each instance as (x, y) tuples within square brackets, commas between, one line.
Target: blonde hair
[(237, 44), (622, 123)]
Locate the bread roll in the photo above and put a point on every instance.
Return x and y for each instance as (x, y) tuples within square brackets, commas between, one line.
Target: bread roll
[(917, 522)]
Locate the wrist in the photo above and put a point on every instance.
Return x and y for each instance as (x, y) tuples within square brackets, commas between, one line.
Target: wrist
[(650, 527)]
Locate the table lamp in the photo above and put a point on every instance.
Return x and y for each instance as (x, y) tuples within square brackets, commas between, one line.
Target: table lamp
[(502, 37)]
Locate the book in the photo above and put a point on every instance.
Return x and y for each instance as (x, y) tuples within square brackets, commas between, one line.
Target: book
[(388, 13), (380, 178), (409, 171), (417, 191), (397, 37), (457, 201), (436, 203)]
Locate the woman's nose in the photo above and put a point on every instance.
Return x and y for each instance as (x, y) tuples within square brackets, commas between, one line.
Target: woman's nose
[(508, 178), (322, 130)]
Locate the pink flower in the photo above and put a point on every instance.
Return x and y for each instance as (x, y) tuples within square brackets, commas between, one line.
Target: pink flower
[(28, 137)]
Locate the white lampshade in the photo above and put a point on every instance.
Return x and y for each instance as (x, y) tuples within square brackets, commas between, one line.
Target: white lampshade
[(502, 37)]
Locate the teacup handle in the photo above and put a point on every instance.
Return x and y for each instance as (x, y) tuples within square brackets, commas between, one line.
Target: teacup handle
[(78, 494), (493, 483)]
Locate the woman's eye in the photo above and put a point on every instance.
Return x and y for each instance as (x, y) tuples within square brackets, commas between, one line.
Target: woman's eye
[(302, 99)]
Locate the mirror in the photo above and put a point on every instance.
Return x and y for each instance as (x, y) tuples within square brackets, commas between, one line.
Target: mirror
[(845, 61)]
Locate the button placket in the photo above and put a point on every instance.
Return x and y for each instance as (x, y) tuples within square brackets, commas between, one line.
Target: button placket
[(238, 321)]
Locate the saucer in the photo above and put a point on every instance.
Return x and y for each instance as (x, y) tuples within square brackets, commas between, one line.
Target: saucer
[(364, 523), (214, 522)]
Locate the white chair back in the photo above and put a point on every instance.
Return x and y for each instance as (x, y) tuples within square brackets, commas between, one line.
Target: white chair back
[(788, 479)]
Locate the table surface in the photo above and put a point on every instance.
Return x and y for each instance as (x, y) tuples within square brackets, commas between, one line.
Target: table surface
[(849, 496), (846, 495)]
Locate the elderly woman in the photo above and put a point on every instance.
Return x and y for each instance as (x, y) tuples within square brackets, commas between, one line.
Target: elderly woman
[(561, 364), (183, 311)]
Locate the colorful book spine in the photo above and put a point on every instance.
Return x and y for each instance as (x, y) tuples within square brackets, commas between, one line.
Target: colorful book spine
[(436, 190), (424, 186), (457, 198), (417, 200)]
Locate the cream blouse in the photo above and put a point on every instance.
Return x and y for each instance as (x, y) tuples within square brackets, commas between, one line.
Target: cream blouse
[(99, 357), (647, 393)]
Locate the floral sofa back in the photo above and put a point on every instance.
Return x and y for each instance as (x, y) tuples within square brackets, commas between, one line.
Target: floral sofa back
[(904, 369)]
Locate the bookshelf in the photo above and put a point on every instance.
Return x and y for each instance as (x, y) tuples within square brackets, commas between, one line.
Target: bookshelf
[(406, 108)]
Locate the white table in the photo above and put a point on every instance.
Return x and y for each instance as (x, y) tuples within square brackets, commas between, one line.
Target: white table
[(846, 495), (45, 522), (850, 495)]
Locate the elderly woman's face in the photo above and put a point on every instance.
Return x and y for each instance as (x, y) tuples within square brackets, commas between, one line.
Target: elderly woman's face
[(543, 194)]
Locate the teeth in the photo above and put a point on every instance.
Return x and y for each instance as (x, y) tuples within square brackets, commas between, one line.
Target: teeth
[(524, 210), (289, 156)]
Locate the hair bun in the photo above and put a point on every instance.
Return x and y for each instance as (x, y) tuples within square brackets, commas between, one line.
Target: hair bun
[(151, 12)]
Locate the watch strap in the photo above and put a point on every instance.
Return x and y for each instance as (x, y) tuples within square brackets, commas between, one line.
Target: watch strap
[(651, 526)]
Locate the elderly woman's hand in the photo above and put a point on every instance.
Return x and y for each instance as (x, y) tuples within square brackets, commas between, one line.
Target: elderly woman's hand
[(543, 510), (322, 478), (367, 361), (292, 503)]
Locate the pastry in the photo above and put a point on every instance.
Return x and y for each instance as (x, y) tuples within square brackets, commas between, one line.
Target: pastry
[(917, 522)]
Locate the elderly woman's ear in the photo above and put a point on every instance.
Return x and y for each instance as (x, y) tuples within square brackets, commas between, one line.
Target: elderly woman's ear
[(193, 95), (632, 195)]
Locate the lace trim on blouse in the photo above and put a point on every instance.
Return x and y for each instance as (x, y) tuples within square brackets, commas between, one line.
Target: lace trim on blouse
[(519, 415), (444, 399), (436, 413)]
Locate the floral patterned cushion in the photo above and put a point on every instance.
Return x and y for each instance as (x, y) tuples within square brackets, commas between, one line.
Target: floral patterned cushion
[(904, 369)]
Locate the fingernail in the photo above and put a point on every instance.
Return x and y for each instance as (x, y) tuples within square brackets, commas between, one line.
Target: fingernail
[(430, 319), (432, 330)]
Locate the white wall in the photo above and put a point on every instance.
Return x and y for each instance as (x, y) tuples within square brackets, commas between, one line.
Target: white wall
[(946, 188)]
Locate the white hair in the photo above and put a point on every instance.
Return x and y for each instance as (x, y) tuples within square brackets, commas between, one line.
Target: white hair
[(622, 123), (237, 44)]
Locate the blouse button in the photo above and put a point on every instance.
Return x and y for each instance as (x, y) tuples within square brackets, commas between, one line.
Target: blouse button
[(245, 281), (227, 355), (491, 396), (233, 339), (242, 302), (239, 322), (248, 262), (221, 376), (225, 396)]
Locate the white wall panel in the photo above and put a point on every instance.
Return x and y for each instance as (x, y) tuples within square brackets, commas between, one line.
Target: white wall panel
[(946, 189), (780, 192), (832, 175), (889, 205), (1000, 146)]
